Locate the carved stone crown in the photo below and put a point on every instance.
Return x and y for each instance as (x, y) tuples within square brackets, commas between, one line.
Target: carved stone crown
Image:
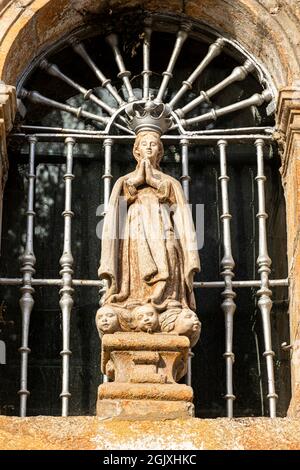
[(149, 116)]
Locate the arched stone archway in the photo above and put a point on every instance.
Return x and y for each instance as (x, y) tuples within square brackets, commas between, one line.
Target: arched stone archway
[(267, 29)]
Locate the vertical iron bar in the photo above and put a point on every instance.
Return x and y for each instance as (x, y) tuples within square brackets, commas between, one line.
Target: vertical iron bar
[(66, 261), (189, 368), (253, 276), (264, 264), (185, 181), (146, 62), (185, 178), (227, 266), (28, 262), (107, 177)]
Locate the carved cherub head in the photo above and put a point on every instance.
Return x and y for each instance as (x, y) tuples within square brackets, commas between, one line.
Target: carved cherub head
[(181, 321), (145, 318), (167, 319), (107, 320), (148, 145), (187, 323)]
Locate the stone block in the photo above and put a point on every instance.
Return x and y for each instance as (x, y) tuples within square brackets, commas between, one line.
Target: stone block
[(137, 410), (147, 391)]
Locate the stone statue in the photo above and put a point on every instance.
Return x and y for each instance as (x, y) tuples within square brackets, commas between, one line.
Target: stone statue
[(147, 321), (152, 259)]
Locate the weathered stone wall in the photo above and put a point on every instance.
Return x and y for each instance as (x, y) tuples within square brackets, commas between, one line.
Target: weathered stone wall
[(288, 118), (268, 29), (7, 116), (89, 433)]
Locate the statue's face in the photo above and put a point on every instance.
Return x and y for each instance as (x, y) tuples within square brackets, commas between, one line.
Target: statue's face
[(187, 322), (146, 318), (149, 147), (107, 320)]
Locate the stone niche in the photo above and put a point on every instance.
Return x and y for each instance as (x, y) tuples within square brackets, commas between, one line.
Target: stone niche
[(143, 369)]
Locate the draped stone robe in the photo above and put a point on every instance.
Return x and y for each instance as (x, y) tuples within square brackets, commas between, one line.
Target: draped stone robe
[(149, 255)]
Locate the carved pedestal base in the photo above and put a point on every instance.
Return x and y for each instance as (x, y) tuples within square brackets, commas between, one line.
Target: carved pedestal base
[(145, 368)]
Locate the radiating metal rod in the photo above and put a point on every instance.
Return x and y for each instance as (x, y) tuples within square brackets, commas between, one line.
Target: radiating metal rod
[(227, 266), (213, 114), (96, 283), (112, 40), (105, 82), (238, 74), (264, 268), (167, 75), (60, 129), (66, 261), (28, 262), (54, 71), (146, 62), (36, 97), (213, 51), (107, 177)]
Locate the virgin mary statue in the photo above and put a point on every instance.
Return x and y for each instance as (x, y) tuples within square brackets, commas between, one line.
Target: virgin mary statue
[(149, 255)]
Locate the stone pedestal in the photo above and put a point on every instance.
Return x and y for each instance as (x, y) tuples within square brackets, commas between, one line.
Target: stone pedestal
[(143, 369)]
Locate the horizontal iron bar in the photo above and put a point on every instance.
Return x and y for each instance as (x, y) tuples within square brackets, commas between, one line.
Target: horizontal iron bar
[(96, 283), (200, 139), (221, 284), (234, 130)]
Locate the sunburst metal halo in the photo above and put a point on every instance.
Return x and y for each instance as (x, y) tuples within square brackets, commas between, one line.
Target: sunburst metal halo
[(130, 114)]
